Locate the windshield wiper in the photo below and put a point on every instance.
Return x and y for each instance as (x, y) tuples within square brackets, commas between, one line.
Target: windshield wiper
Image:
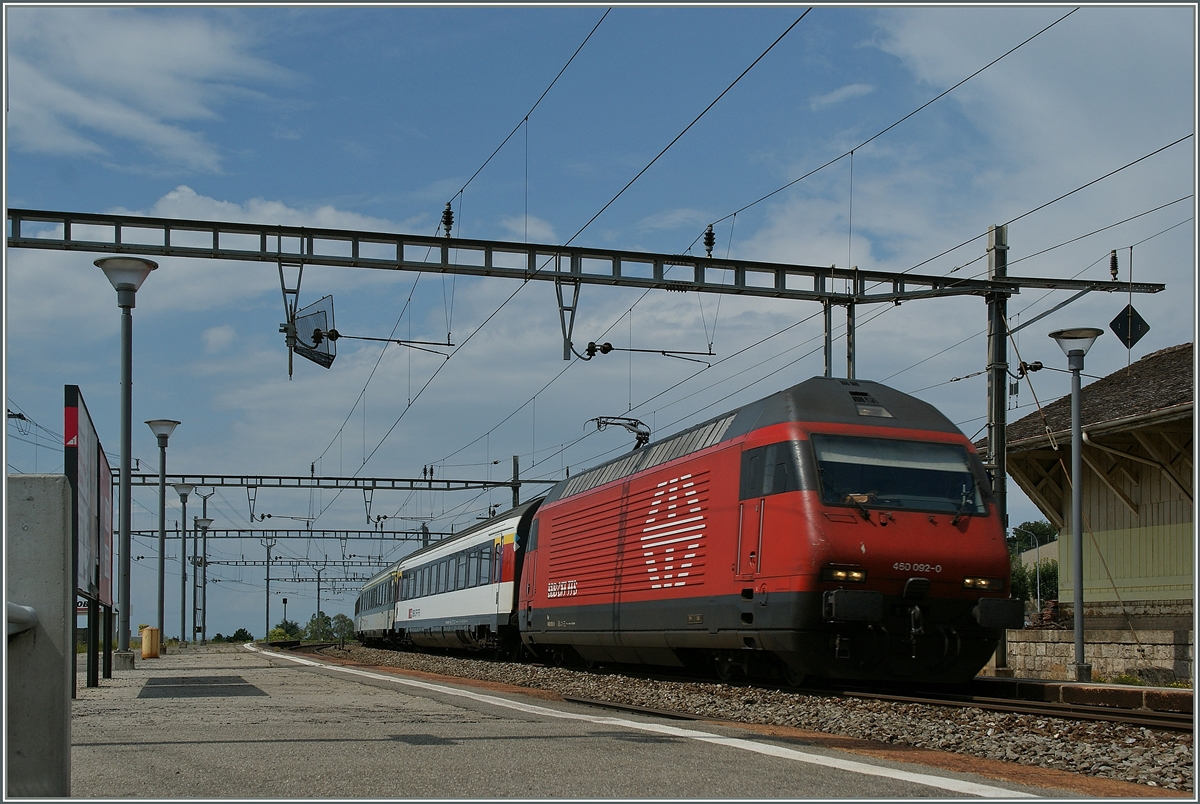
[(966, 504)]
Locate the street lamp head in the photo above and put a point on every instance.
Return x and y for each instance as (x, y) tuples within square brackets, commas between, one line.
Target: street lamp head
[(183, 489), (163, 427), (1078, 340), (204, 523), (126, 275)]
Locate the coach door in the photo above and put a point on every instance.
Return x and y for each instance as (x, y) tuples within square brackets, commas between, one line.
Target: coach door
[(766, 473), (750, 514)]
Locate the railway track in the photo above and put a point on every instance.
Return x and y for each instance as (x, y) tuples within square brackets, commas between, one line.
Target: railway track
[(1145, 718), (1173, 721)]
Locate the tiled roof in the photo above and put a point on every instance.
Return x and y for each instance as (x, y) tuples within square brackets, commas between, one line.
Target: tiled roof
[(1160, 380)]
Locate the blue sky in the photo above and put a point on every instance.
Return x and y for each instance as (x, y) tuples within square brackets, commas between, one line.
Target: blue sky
[(374, 117)]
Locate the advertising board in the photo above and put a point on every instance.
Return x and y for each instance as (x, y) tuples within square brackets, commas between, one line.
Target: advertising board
[(91, 495)]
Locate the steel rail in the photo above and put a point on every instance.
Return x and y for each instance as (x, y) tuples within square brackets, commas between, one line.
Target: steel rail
[(1174, 721)]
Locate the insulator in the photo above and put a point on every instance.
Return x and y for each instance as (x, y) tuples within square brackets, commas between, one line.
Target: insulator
[(605, 348), (1112, 264), (317, 337), (591, 349), (447, 219), (710, 240)]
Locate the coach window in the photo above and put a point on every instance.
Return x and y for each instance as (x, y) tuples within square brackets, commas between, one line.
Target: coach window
[(769, 470), (485, 565), (462, 572), (473, 569)]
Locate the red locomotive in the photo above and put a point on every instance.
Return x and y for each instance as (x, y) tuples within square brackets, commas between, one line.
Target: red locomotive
[(837, 529)]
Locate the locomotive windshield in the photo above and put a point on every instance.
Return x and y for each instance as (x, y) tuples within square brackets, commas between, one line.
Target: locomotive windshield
[(887, 473)]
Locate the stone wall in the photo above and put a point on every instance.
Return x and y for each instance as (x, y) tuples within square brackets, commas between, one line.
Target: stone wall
[(1048, 654)]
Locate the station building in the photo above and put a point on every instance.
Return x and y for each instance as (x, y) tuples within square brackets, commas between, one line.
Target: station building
[(1138, 521)]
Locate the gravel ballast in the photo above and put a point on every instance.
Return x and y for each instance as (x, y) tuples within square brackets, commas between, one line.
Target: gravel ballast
[(1156, 758)]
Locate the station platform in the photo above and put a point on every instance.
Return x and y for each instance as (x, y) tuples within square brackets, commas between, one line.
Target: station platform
[(223, 721), (1156, 699)]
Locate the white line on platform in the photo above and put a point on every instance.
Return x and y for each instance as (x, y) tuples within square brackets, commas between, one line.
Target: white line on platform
[(941, 782)]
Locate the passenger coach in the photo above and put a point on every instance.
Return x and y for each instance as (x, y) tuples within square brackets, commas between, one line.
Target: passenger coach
[(456, 593)]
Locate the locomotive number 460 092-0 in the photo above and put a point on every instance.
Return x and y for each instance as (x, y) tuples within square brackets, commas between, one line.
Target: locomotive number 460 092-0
[(905, 567)]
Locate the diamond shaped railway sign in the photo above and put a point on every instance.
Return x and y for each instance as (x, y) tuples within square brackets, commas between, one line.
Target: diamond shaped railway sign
[(1129, 326)]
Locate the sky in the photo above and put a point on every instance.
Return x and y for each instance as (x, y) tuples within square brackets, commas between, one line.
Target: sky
[(374, 117)]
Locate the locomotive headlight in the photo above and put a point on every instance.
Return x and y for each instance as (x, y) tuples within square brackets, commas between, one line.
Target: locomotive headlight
[(843, 575), (984, 584)]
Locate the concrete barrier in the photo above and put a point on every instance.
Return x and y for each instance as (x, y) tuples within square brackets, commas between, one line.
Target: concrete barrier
[(38, 574)]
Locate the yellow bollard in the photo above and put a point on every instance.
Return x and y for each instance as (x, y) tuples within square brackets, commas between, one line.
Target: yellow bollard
[(151, 642)]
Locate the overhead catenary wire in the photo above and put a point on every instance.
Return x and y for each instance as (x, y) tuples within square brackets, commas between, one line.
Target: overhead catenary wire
[(449, 309), (568, 367), (1052, 201), (588, 223), (688, 127), (1041, 298), (733, 215), (880, 133), (545, 92)]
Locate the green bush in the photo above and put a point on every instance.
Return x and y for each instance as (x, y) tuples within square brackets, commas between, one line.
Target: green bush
[(292, 629), (1025, 580)]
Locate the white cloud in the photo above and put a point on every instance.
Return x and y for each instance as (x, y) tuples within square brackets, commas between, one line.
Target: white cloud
[(216, 339), (674, 219), (840, 94), (539, 230), (83, 79)]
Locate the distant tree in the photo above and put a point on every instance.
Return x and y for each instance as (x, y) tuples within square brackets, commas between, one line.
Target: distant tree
[(1025, 580), (1024, 536), (279, 635), (292, 629), (1049, 579), (343, 628), (218, 637), (1020, 581), (240, 635), (320, 628)]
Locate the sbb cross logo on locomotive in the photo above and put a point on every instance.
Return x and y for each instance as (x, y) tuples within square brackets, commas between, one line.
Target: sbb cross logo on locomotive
[(561, 589)]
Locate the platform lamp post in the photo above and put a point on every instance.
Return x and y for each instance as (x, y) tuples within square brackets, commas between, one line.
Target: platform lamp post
[(162, 429), (126, 275), (203, 524), (1075, 344), (183, 490)]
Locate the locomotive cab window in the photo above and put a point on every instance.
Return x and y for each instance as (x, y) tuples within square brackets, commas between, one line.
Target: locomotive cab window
[(888, 473), (772, 469)]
